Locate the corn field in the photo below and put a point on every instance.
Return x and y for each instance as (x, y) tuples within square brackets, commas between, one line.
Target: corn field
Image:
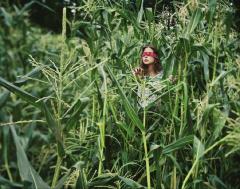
[(69, 112)]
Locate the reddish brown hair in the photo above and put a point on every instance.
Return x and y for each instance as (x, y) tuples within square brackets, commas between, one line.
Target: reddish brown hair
[(157, 64)]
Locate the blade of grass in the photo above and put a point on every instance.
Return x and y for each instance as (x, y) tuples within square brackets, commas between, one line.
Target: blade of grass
[(27, 172), (128, 107), (18, 91)]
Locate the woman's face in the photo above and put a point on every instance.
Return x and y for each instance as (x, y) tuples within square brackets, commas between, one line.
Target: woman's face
[(148, 56)]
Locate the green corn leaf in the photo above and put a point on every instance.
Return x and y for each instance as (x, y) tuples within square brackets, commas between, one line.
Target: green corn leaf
[(61, 182), (124, 126), (140, 13), (198, 148), (5, 144), (128, 107), (149, 15), (198, 152), (170, 65), (18, 91), (55, 129), (178, 144), (207, 111), (29, 4), (228, 23), (32, 100), (8, 183), (27, 172), (217, 181), (212, 4), (219, 121), (131, 183), (203, 49), (130, 17), (176, 164), (221, 76), (8, 19), (3, 98), (103, 180), (81, 181), (26, 77), (195, 20), (75, 111), (205, 66), (82, 177), (185, 104), (108, 179), (156, 157)]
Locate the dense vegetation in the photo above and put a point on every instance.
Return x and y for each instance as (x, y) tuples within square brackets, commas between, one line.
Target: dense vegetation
[(69, 115)]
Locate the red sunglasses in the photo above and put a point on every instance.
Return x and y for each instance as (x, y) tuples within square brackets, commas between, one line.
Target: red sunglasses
[(152, 54)]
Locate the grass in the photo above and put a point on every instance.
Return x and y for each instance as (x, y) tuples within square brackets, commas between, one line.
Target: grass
[(80, 124)]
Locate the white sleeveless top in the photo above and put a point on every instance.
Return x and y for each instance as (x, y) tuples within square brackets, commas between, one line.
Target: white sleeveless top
[(148, 89)]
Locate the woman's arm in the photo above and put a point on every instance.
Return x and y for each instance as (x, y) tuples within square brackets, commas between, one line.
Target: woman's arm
[(138, 71)]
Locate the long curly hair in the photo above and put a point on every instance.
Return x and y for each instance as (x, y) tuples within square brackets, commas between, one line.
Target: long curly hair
[(157, 64)]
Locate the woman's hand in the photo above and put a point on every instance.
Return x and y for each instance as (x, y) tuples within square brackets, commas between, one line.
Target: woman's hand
[(172, 78), (138, 71)]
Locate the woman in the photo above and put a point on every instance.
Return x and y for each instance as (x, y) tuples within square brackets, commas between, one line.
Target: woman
[(151, 72), (150, 65)]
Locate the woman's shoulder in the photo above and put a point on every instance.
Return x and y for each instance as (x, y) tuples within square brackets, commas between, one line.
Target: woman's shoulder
[(158, 76)]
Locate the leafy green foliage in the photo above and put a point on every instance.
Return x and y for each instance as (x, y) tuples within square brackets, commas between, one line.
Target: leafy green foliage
[(80, 86)]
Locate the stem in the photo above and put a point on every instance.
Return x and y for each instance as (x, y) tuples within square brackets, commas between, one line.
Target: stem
[(184, 106), (174, 178), (59, 97), (146, 150), (5, 154), (215, 50), (93, 110), (102, 125), (101, 146), (197, 159), (57, 171), (8, 171)]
